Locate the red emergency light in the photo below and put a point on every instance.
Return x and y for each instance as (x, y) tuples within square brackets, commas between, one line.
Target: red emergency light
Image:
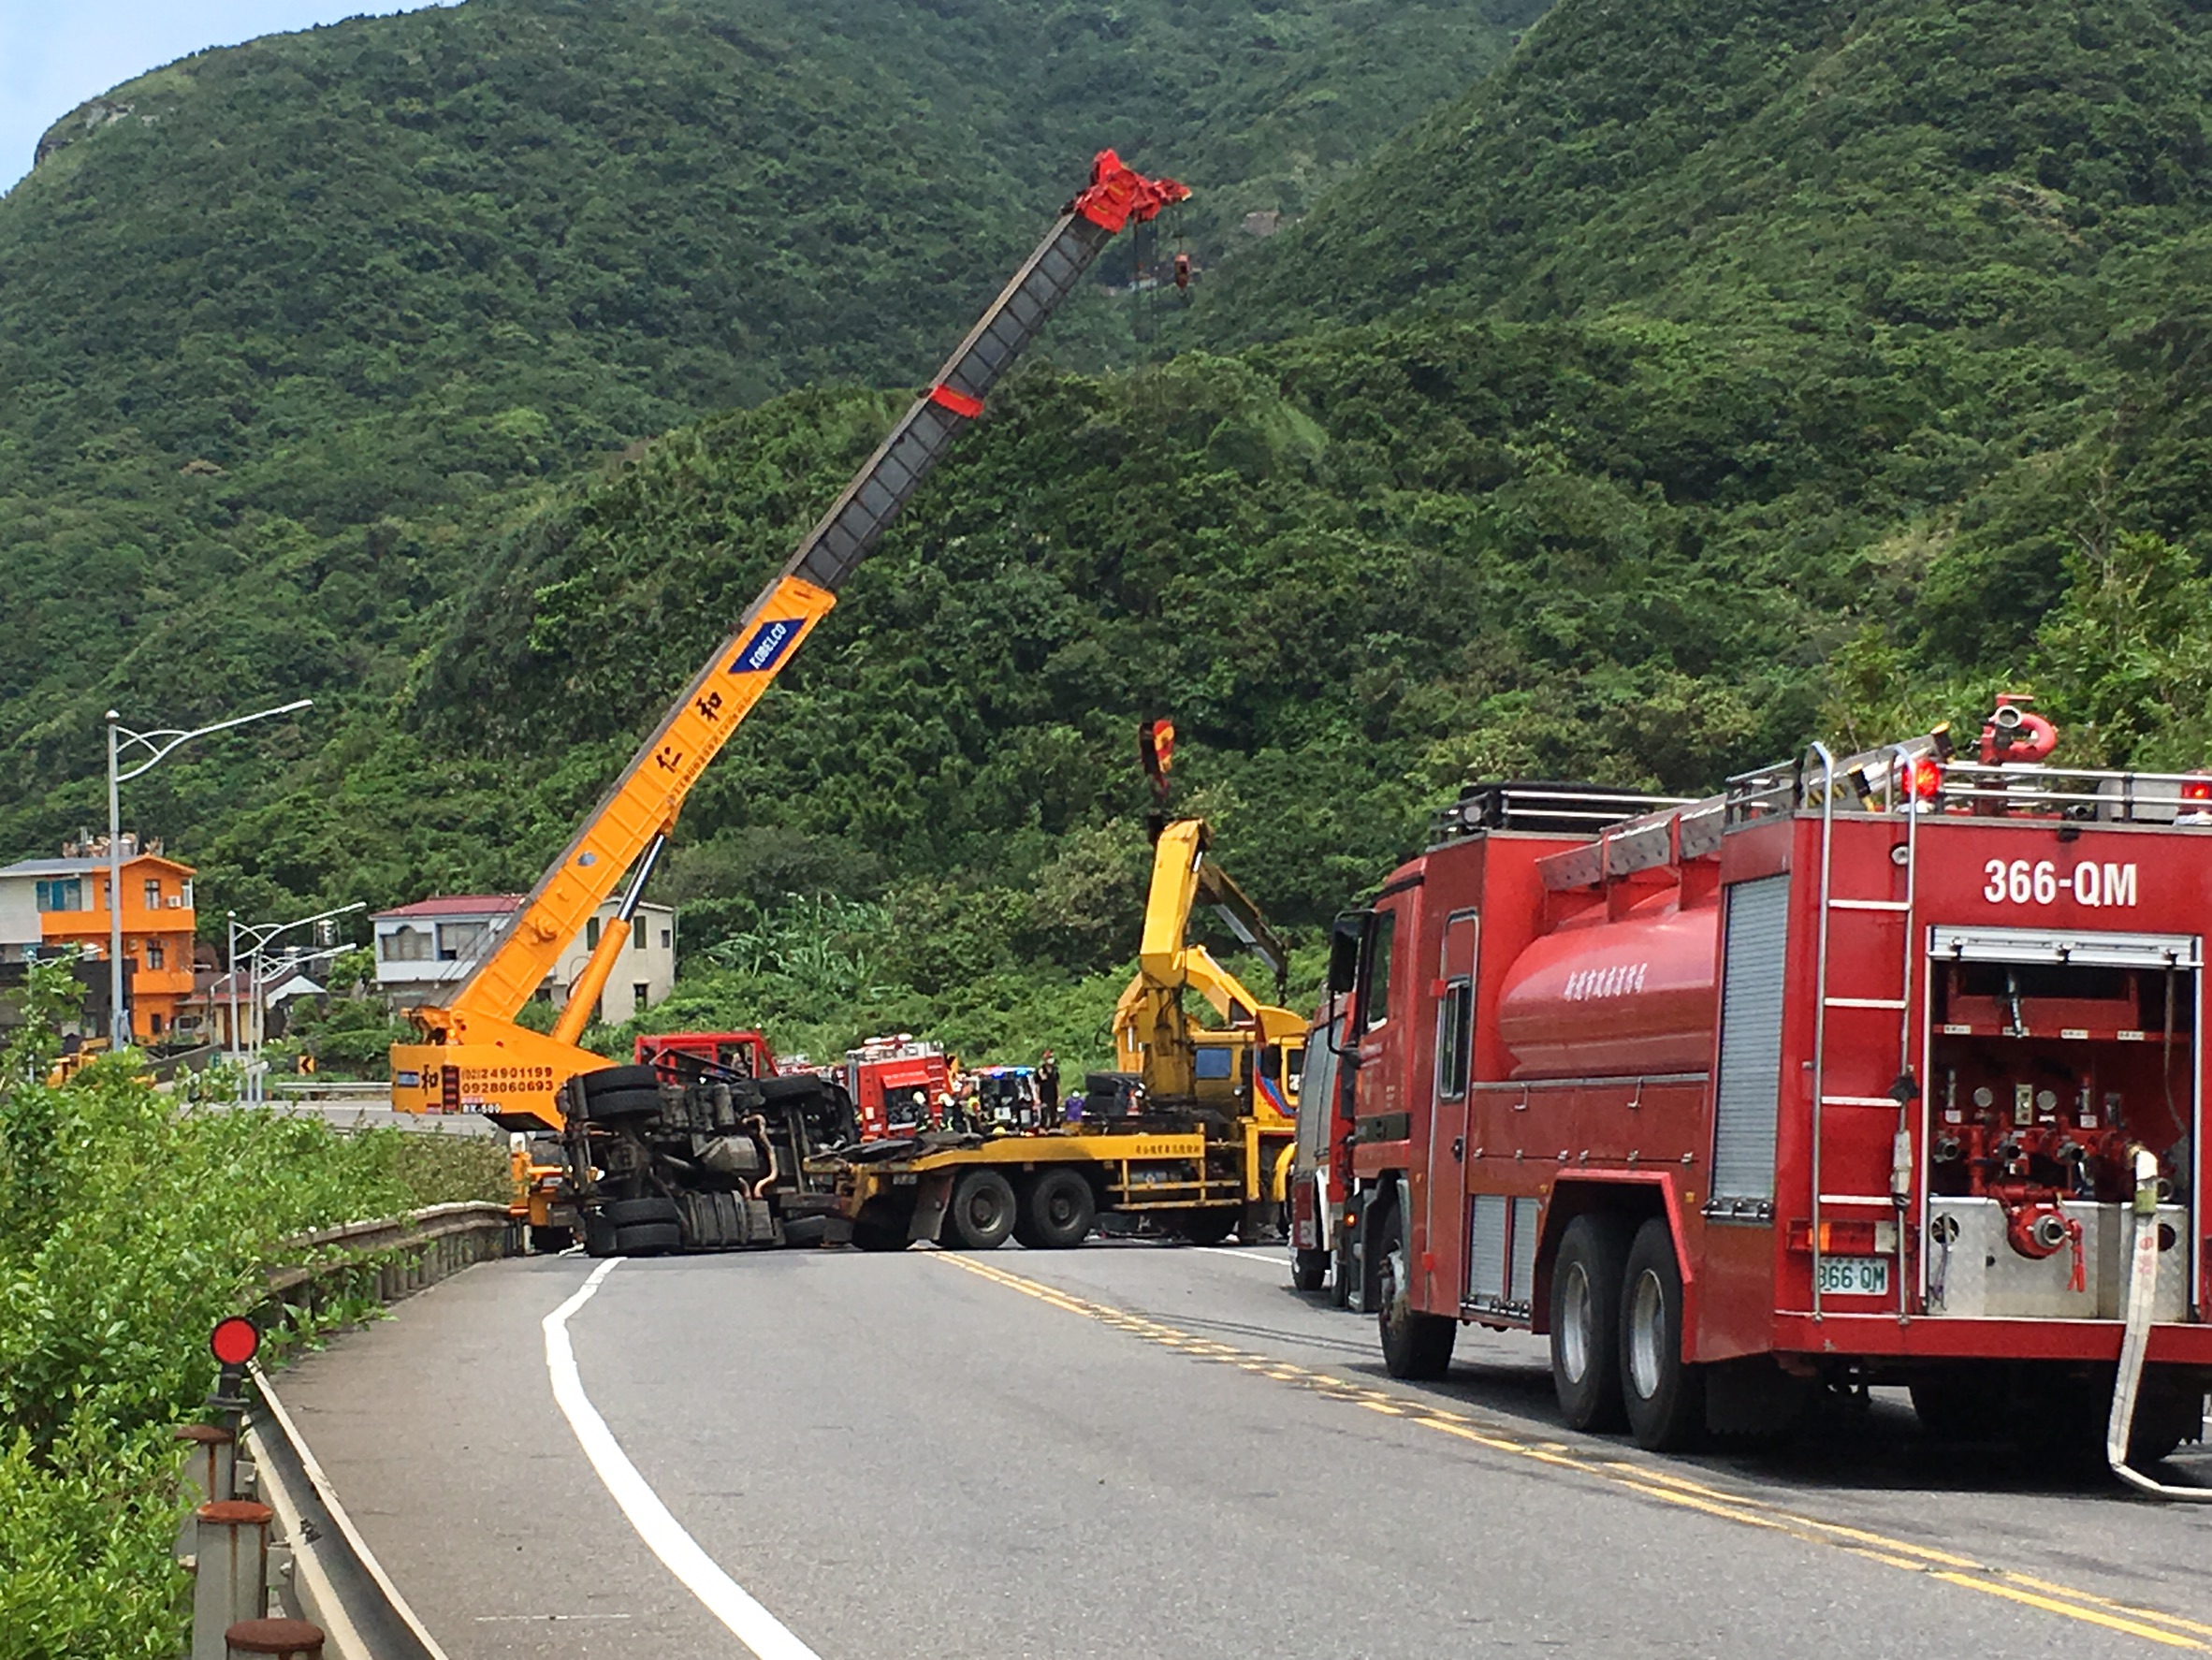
[(2197, 790), (1923, 778), (234, 1341)]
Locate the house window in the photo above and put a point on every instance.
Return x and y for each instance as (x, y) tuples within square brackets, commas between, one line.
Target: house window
[(155, 958), (639, 994), (153, 1023), (61, 894), (459, 940), (187, 893), (154, 892), (591, 934), (406, 945), (667, 939)]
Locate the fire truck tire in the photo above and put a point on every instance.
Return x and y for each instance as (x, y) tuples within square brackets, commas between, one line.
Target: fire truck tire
[(1952, 1403), (632, 1213), (982, 1210), (1340, 1272), (1058, 1211), (1308, 1270), (609, 1079), (1415, 1346), (1586, 1323), (617, 1104), (1664, 1394), (647, 1239)]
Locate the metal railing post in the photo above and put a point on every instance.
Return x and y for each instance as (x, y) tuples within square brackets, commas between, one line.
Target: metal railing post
[(232, 1581), (1820, 992)]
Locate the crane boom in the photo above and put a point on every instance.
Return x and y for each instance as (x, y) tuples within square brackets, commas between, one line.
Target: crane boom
[(475, 1056)]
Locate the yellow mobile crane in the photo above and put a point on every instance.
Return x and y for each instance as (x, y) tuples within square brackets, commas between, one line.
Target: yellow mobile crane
[(473, 1055)]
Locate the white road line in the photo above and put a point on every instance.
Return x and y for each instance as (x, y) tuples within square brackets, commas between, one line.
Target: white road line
[(1266, 1257), (726, 1600)]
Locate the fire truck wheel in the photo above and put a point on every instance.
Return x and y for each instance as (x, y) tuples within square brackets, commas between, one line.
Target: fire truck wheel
[(608, 1078), (1308, 1269), (1586, 1323), (1664, 1394), (982, 1213), (1953, 1404), (1340, 1272), (617, 1104), (648, 1239), (1057, 1211), (1415, 1346), (631, 1213)]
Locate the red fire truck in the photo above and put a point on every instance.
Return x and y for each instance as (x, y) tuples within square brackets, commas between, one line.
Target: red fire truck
[(1878, 1069), (898, 1085)]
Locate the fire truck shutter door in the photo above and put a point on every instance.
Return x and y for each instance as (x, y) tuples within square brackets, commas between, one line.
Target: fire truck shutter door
[(2089, 951), (1749, 1089)]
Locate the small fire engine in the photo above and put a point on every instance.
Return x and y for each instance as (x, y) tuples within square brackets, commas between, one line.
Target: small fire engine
[(1885, 1068), (899, 1084)]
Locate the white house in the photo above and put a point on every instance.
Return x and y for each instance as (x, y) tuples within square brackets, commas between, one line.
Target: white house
[(427, 946)]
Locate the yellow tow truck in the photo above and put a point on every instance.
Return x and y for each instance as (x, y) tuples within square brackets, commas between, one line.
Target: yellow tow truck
[(1193, 1134)]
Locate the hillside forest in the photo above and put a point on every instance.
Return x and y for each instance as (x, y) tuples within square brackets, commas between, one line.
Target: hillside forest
[(1628, 394)]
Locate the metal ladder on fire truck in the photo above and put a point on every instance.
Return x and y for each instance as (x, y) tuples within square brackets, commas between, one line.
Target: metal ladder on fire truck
[(1860, 917)]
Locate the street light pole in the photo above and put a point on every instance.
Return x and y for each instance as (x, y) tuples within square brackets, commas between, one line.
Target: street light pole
[(261, 934), (158, 744)]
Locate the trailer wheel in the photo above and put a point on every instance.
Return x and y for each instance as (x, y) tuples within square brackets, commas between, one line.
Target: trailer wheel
[(1586, 1323), (982, 1213), (647, 1239), (1059, 1209), (1664, 1394), (1415, 1346), (1308, 1269)]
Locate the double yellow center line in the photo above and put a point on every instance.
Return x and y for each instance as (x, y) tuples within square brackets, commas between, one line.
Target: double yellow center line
[(2171, 1630)]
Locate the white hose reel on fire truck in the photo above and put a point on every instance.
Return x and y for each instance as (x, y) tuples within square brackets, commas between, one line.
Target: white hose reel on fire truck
[(2143, 1278)]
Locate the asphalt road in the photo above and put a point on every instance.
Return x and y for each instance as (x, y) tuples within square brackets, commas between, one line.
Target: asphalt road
[(1136, 1450)]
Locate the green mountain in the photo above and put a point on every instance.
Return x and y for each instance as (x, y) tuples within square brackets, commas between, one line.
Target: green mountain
[(288, 331)]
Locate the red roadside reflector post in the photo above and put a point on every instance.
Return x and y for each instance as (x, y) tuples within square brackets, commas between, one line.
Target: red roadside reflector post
[(234, 1341)]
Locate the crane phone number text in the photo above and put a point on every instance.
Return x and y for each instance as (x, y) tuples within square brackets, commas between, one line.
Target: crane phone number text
[(2019, 882)]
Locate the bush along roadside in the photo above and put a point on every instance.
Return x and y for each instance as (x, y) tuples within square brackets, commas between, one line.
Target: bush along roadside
[(130, 1224)]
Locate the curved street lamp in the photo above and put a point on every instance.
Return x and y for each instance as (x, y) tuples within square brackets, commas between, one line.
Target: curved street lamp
[(158, 745)]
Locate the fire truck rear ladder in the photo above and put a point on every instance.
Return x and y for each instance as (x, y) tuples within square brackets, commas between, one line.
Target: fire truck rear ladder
[(1849, 914)]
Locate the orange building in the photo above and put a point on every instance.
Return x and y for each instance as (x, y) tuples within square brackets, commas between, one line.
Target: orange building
[(69, 896)]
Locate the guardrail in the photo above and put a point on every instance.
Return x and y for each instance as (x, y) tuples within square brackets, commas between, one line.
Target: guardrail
[(271, 1540)]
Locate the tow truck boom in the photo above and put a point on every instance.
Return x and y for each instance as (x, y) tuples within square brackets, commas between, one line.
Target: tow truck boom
[(472, 1054)]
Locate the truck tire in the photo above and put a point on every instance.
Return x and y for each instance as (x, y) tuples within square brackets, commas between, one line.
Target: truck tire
[(551, 1239), (1340, 1271), (647, 1239), (1415, 1346), (1664, 1394), (878, 1236), (1308, 1270), (1958, 1402), (1586, 1323), (609, 1079), (599, 1236), (631, 1213), (617, 1104), (1208, 1226), (1058, 1211), (982, 1213)]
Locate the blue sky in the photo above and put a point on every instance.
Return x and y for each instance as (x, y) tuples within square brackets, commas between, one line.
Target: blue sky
[(56, 53)]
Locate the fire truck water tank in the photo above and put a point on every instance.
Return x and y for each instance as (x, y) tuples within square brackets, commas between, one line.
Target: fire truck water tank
[(1636, 996)]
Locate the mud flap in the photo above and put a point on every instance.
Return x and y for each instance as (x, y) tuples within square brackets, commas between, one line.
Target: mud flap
[(932, 1194)]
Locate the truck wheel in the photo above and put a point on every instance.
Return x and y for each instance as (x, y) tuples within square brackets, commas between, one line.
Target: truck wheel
[(1208, 1226), (599, 1236), (877, 1236), (647, 1239), (608, 1080), (619, 1104), (1586, 1323), (1958, 1402), (1664, 1394), (1060, 1209), (1308, 1269), (550, 1240), (1340, 1272), (1415, 1346), (982, 1213), (630, 1212)]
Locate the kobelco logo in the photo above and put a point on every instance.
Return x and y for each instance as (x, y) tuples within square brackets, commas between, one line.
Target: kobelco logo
[(767, 644)]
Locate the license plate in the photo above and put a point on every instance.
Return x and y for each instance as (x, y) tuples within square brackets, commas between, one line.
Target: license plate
[(1854, 1277)]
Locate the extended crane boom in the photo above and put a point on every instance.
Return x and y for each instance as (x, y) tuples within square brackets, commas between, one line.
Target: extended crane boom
[(474, 1057)]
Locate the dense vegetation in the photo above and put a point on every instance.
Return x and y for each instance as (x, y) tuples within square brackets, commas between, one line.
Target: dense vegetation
[(285, 329), (126, 1229)]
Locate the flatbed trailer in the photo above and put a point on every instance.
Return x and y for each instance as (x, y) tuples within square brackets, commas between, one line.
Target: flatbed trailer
[(1200, 1182)]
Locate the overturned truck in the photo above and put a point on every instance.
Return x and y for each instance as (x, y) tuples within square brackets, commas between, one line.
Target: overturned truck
[(714, 1161)]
